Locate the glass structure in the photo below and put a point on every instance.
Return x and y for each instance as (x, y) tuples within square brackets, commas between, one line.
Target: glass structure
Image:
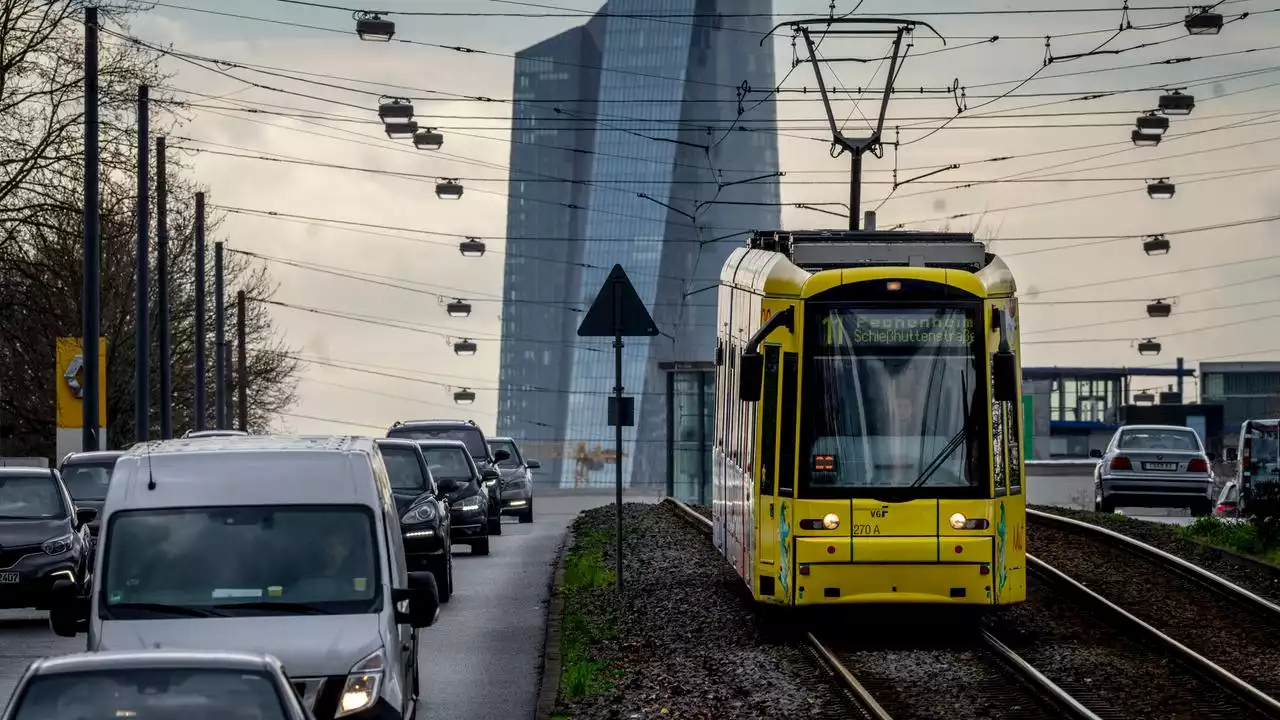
[(664, 194)]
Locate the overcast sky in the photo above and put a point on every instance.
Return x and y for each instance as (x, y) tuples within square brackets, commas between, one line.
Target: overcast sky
[(1227, 173)]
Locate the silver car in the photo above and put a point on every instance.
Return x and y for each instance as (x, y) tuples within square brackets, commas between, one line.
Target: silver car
[(156, 683), (1154, 466)]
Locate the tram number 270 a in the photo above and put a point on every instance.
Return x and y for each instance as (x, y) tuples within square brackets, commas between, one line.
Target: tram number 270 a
[(866, 529)]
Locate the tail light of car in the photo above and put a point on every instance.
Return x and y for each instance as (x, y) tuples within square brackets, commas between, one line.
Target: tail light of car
[(1225, 508), (1120, 462), (1198, 465)]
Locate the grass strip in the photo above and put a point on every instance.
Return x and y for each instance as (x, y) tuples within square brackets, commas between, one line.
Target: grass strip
[(589, 619)]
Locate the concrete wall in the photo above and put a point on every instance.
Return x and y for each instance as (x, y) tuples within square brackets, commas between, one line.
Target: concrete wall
[(1064, 483)]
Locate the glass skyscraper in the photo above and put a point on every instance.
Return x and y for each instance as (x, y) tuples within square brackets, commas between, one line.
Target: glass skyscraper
[(654, 193)]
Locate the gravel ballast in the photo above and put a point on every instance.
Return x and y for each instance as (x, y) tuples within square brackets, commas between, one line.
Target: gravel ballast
[(684, 643), (1243, 641), (1256, 577), (1105, 669)]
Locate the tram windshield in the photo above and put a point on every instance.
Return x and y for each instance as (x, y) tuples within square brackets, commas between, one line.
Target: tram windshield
[(890, 393)]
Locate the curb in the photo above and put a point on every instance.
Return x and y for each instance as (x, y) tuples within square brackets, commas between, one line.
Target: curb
[(549, 686)]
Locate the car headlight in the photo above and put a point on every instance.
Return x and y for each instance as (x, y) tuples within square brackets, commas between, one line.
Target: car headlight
[(490, 483), (417, 514), (363, 682), (470, 506), (58, 545)]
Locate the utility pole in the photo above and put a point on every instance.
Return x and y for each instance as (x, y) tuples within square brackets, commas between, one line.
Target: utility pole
[(91, 285), (162, 292), (198, 422), (142, 310), (219, 341), (243, 359)]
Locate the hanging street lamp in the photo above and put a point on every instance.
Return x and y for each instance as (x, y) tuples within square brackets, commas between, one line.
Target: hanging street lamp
[(398, 131), (1159, 309), (448, 190), (428, 139), (1156, 245), (471, 247), (371, 27), (1203, 22), (464, 397), (1161, 189), (459, 308), (398, 110), (1142, 139), (1149, 347), (464, 347), (1176, 103), (1153, 123)]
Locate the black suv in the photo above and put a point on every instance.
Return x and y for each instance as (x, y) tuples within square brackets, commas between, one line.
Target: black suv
[(423, 511), (461, 484), (43, 537), (87, 475), (469, 434)]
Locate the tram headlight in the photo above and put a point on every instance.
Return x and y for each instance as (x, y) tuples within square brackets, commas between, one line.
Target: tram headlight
[(958, 521), (831, 521)]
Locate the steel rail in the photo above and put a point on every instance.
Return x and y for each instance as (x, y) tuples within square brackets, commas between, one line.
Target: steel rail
[(1195, 661), (861, 695), (1039, 683), (1189, 570)]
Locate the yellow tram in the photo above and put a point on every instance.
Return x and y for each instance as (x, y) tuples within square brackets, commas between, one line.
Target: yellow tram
[(867, 442)]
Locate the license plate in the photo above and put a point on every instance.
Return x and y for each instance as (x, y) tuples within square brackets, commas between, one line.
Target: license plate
[(8, 577), (1160, 466)]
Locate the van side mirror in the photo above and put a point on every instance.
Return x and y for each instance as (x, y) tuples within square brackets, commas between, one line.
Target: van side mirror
[(750, 376), (532, 464), (1095, 454), (84, 516), (68, 610), (422, 599), (1004, 369), (500, 455)]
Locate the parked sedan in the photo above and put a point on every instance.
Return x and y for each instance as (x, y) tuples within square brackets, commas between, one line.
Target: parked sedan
[(517, 478), (423, 512), (462, 485), (1154, 466), (43, 537), (155, 684)]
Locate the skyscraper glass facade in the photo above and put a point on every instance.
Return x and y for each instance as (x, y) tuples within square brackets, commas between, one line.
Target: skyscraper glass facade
[(662, 152)]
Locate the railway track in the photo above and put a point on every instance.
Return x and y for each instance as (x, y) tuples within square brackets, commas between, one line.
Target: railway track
[(1229, 626), (980, 674)]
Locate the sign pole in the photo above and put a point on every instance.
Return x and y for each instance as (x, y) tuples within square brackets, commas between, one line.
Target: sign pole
[(617, 426)]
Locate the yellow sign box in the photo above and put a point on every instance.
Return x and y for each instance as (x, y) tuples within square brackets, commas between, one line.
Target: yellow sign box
[(69, 381)]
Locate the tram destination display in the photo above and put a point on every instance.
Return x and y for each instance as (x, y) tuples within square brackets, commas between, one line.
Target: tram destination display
[(867, 327)]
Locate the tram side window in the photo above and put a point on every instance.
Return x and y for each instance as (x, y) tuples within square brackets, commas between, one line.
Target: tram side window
[(769, 420), (720, 385), (731, 412), (787, 443), (1013, 413)]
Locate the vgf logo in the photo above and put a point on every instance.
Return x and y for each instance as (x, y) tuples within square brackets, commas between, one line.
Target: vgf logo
[(880, 512)]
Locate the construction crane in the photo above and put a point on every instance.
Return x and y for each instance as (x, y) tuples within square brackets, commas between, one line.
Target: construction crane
[(586, 460)]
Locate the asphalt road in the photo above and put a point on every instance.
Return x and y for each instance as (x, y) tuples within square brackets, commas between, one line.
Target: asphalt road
[(25, 636)]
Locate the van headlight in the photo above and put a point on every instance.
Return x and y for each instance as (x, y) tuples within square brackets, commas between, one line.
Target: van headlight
[(423, 513), (363, 683)]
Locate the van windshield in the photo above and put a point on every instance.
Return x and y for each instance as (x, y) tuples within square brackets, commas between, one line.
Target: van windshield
[(241, 560), (192, 694)]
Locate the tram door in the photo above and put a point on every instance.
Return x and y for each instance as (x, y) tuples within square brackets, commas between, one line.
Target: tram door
[(767, 506)]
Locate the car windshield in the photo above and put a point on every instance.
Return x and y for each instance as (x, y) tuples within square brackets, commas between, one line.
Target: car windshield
[(449, 466), (510, 463), (30, 498), (318, 559), (402, 466), (471, 437), (1159, 439), (152, 694), (88, 481), (890, 393)]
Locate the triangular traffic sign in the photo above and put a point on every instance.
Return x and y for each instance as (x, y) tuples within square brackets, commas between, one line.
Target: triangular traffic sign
[(617, 310)]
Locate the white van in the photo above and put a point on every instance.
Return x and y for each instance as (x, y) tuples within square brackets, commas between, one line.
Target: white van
[(288, 546)]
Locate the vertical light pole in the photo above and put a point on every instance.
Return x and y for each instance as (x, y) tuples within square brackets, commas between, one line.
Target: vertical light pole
[(162, 292), (92, 261), (198, 421), (243, 360), (142, 310), (219, 341)]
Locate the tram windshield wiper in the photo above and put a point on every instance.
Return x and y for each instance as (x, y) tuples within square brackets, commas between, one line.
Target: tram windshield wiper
[(960, 438)]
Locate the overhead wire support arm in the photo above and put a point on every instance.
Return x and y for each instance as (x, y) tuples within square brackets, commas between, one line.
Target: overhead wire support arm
[(857, 146)]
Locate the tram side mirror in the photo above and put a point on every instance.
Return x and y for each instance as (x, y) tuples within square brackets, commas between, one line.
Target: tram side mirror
[(1096, 454), (750, 375), (1004, 368)]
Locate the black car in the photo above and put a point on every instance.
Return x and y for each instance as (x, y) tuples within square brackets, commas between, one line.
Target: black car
[(517, 478), (43, 537), (424, 512), (87, 475), (461, 483), (470, 435)]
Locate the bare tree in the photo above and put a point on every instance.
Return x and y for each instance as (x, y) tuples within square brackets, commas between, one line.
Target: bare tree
[(41, 200)]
